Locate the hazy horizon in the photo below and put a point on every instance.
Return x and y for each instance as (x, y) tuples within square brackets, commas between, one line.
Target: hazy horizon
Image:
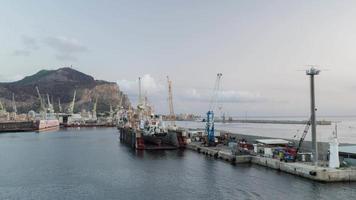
[(261, 48)]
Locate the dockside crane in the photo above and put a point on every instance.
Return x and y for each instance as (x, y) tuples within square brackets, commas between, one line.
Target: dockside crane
[(42, 106), (210, 129), (59, 105), (170, 102), (50, 106), (301, 140), (94, 108), (14, 108), (71, 106), (2, 108)]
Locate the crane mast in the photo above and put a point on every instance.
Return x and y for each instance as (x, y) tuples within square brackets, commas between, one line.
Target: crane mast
[(210, 129), (170, 102)]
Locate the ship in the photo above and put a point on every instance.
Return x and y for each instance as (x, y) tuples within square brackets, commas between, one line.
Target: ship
[(149, 134), (12, 122), (141, 129)]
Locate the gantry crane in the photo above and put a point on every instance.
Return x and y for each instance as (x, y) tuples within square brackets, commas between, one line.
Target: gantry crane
[(210, 129), (170, 102)]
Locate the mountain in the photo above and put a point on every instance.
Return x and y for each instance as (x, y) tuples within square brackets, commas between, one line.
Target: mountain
[(61, 84)]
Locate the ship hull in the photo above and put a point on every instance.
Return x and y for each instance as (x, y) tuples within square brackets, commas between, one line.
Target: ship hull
[(43, 125), (135, 139)]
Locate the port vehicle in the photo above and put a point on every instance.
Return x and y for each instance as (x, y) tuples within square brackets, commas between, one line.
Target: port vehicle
[(290, 152)]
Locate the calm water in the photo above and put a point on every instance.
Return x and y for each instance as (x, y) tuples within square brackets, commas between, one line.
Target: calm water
[(92, 164)]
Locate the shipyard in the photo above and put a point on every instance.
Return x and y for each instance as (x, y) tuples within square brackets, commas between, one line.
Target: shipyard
[(250, 100)]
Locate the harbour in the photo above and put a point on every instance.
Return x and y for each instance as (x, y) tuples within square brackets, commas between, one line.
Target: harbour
[(156, 100), (88, 163)]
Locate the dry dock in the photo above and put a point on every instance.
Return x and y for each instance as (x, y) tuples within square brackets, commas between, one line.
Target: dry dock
[(303, 169)]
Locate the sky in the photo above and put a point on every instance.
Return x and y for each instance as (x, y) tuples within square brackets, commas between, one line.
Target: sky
[(262, 48)]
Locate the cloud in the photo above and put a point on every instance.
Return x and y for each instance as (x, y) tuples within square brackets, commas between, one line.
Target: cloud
[(149, 85), (225, 96), (21, 53), (65, 48), (29, 44), (11, 78)]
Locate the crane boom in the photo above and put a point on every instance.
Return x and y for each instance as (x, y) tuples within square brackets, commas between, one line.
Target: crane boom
[(170, 102), (304, 135)]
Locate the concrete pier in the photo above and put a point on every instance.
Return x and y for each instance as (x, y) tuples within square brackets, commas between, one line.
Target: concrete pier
[(302, 169)]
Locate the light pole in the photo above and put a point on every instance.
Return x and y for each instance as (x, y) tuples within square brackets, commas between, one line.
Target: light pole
[(312, 72)]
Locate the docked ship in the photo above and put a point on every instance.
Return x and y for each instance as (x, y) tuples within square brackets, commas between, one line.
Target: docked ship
[(12, 122), (142, 129), (46, 124)]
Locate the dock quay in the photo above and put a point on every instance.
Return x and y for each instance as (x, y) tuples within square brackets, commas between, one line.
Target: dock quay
[(17, 126), (302, 169)]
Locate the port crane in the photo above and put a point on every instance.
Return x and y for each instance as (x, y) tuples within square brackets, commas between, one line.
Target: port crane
[(14, 109), (50, 106), (71, 106), (301, 140), (210, 129), (42, 106), (2, 108), (170, 102), (59, 105), (94, 108), (291, 152)]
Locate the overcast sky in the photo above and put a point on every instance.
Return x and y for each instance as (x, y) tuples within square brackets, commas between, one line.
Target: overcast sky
[(261, 47)]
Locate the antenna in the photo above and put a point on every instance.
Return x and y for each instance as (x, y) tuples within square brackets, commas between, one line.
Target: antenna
[(139, 91)]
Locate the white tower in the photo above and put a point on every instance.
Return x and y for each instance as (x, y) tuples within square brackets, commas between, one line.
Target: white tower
[(334, 161)]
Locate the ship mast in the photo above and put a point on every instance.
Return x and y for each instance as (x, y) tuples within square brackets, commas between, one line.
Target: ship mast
[(170, 102)]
